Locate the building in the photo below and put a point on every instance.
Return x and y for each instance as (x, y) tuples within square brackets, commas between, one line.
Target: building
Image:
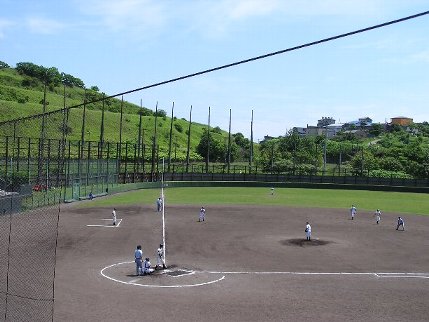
[(401, 120), (361, 122)]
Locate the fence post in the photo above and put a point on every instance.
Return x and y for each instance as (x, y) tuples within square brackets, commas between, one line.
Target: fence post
[(6, 155), (28, 159), (107, 164), (17, 155), (134, 163), (126, 163)]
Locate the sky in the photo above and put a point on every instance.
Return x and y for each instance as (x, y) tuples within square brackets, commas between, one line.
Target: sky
[(122, 45)]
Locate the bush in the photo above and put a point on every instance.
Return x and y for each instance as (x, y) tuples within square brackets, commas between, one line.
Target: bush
[(12, 182), (389, 174), (160, 113), (178, 127)]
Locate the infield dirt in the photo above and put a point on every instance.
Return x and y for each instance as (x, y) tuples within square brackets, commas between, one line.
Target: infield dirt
[(242, 264)]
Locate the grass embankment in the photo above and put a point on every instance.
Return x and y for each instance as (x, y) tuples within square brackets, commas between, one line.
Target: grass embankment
[(400, 202)]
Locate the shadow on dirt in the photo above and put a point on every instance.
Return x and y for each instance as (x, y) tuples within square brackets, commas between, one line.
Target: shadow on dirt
[(304, 243)]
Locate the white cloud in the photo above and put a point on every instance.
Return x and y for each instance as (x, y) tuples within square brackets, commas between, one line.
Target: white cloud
[(247, 8), (44, 26), (133, 16), (209, 17), (5, 24), (331, 7), (422, 56)]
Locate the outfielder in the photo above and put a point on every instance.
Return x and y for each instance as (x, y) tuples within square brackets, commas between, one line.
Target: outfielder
[(159, 204), (202, 214), (138, 257), (308, 231), (377, 215), (353, 211), (160, 257), (114, 216)]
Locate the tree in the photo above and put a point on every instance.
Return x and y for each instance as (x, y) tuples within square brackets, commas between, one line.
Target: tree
[(376, 129), (217, 147), (364, 160), (3, 65), (160, 113), (242, 146), (71, 81)]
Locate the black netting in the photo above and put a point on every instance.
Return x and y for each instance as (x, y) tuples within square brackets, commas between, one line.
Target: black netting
[(28, 263)]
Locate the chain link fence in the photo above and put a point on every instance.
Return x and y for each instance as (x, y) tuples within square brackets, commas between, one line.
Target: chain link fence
[(27, 262)]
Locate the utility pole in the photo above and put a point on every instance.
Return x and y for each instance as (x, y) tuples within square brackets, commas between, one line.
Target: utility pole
[(324, 122)]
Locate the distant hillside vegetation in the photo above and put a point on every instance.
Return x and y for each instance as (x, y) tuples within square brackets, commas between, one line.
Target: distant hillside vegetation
[(22, 95)]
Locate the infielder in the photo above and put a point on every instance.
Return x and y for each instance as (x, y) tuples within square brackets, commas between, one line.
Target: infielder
[(147, 270), (377, 215), (308, 231), (160, 257), (202, 214), (114, 216), (353, 211), (138, 257), (400, 223)]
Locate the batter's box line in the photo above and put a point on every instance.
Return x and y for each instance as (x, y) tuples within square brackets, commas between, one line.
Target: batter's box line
[(109, 226)]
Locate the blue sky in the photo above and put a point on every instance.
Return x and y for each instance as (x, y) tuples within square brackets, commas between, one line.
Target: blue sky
[(123, 45)]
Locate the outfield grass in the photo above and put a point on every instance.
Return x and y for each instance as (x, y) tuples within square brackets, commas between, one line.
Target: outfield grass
[(413, 203)]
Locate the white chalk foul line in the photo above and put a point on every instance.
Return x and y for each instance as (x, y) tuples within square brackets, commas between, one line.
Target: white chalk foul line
[(223, 273), (381, 274), (134, 281)]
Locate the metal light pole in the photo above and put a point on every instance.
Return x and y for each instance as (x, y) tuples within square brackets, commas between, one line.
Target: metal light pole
[(324, 122)]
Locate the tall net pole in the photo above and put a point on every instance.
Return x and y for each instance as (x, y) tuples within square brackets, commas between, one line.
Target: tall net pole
[(163, 211)]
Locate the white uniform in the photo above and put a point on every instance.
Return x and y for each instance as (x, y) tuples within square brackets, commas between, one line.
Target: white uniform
[(308, 231), (160, 257), (138, 259), (146, 267), (114, 217), (377, 215), (202, 214), (352, 212)]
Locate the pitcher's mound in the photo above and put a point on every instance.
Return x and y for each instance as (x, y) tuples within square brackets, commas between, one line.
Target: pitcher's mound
[(305, 243)]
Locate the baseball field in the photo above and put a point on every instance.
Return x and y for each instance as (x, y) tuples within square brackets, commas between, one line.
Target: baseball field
[(249, 260)]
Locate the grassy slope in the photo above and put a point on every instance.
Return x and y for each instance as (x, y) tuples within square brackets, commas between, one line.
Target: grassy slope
[(10, 87), (398, 202)]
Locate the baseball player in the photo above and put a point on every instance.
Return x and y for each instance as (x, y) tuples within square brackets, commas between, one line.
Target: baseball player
[(160, 257), (159, 204), (138, 257), (400, 223), (308, 231), (147, 270), (353, 211), (114, 216), (377, 216), (202, 214)]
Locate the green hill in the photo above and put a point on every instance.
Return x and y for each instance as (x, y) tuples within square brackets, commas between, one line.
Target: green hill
[(21, 96)]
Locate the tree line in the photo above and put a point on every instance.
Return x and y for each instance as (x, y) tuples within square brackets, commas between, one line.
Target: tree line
[(387, 151)]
